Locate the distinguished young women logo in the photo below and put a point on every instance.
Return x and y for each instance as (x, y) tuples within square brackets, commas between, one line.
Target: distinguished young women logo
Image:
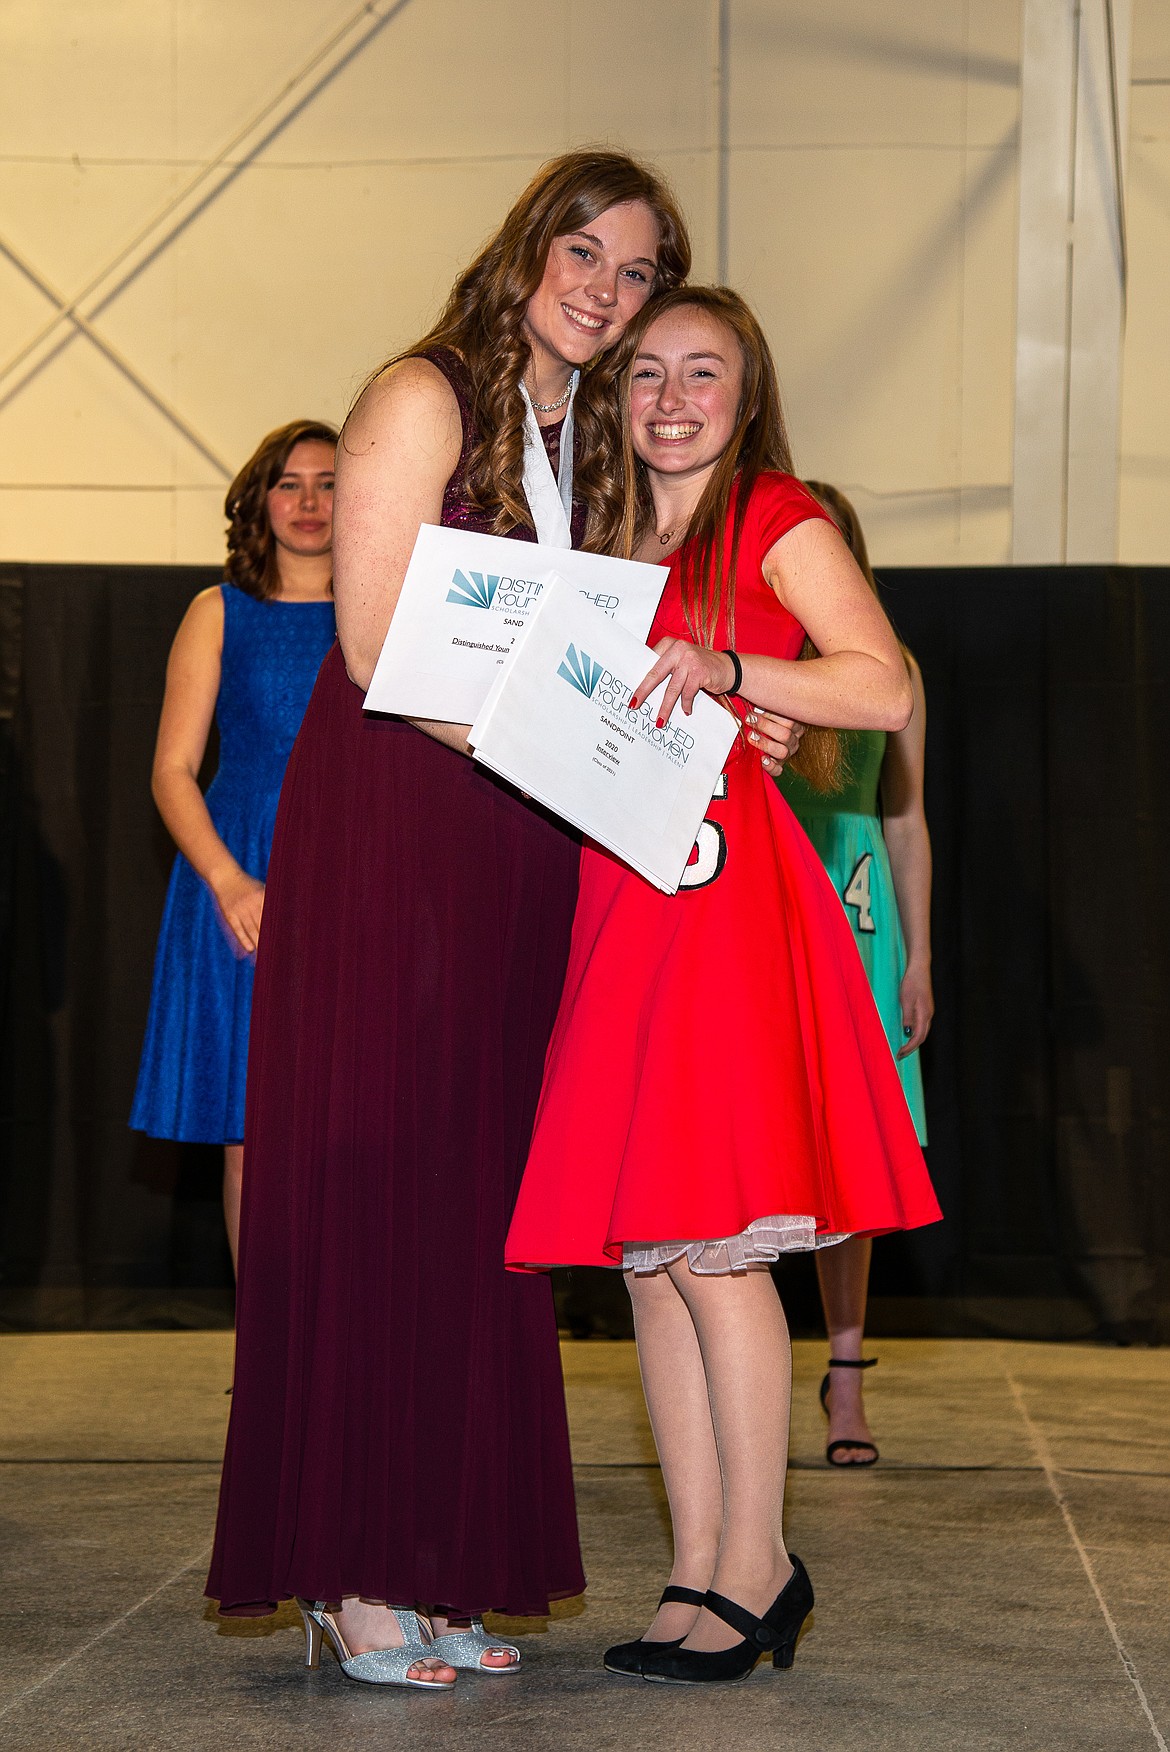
[(490, 590), (579, 669), (598, 683)]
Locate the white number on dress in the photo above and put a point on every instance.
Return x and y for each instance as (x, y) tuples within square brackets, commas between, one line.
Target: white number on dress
[(710, 847), (857, 893)]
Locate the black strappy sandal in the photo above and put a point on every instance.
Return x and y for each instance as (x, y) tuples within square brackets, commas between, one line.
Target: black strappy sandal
[(627, 1657), (846, 1445)]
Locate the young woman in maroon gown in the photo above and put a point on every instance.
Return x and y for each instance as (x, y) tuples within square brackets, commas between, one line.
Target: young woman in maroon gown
[(718, 1088), (398, 1434)]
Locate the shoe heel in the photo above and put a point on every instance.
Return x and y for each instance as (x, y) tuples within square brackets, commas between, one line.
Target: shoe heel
[(312, 1640), (785, 1653)]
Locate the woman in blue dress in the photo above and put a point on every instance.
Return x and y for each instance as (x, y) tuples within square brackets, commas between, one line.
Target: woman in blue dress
[(872, 838), (247, 653)]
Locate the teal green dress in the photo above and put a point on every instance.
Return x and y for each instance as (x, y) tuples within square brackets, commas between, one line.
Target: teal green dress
[(846, 831)]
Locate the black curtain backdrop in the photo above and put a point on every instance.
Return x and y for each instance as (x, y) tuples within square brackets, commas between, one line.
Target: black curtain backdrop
[(1047, 1074), (98, 1226)]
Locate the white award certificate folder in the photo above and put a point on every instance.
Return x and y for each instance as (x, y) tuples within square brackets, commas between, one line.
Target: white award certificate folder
[(557, 724), (464, 599)]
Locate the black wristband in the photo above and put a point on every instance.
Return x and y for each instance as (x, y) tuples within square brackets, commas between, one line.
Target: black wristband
[(729, 693)]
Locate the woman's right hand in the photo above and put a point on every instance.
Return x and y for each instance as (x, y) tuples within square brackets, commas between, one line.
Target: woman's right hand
[(688, 669), (240, 899), (916, 996)]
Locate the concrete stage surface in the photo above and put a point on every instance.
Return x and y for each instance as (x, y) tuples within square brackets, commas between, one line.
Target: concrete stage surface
[(1000, 1581)]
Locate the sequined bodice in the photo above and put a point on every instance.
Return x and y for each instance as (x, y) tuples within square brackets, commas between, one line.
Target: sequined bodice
[(458, 513)]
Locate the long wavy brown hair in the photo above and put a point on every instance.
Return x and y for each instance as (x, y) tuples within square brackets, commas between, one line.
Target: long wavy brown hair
[(251, 547), (758, 443), (483, 321)]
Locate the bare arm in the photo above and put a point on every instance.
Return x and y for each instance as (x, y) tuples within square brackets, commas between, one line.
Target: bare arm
[(908, 843), (859, 680), (193, 676), (399, 449)]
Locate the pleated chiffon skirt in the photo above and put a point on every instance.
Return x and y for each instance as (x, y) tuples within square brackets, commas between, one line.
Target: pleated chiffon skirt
[(398, 1425)]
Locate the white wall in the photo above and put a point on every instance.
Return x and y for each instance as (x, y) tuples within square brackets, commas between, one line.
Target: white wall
[(871, 220), (1145, 432)]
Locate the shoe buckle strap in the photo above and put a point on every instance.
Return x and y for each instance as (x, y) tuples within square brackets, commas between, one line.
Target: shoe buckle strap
[(673, 1596), (739, 1618)]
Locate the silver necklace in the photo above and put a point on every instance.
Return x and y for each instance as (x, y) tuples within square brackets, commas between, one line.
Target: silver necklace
[(551, 407)]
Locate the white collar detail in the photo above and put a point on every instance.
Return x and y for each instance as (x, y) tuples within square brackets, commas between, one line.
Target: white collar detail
[(550, 501)]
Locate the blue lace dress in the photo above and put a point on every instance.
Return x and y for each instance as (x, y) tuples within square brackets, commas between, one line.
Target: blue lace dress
[(191, 1077)]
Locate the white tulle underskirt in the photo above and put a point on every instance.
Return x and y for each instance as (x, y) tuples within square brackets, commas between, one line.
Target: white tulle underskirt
[(761, 1243)]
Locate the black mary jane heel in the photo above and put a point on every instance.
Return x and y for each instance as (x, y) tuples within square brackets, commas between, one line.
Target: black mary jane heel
[(845, 1446), (627, 1657), (775, 1633)]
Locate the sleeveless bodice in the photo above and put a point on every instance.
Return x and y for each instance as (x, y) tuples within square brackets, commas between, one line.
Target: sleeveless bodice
[(864, 751), (191, 1079), (458, 511), (272, 651)]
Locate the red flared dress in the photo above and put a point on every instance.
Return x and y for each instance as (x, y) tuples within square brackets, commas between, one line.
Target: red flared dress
[(718, 1080)]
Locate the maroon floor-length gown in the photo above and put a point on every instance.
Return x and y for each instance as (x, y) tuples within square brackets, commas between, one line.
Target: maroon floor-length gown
[(398, 1423)]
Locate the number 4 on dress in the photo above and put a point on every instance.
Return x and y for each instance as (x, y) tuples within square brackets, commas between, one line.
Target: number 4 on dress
[(857, 893)]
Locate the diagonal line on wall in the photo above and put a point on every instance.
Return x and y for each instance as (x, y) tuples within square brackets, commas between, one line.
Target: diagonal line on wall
[(331, 57), (1118, 152), (116, 358)]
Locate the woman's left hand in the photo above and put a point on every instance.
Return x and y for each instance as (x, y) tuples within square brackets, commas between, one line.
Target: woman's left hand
[(776, 738), (917, 998), (687, 670)]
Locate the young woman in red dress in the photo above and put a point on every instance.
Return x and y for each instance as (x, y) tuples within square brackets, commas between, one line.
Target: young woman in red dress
[(718, 1088)]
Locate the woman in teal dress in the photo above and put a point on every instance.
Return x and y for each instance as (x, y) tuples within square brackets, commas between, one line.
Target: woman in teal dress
[(872, 838), (247, 653)]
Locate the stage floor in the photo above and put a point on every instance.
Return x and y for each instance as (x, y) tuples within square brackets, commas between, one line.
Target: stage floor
[(1000, 1581)]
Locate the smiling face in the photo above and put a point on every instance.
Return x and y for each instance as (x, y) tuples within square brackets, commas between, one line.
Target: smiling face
[(594, 281), (685, 392), (300, 504)]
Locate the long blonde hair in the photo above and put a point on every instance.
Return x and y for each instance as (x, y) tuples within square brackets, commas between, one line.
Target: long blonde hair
[(758, 443), (483, 322)]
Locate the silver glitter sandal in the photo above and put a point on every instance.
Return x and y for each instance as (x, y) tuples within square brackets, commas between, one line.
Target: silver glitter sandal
[(374, 1666), (466, 1648)]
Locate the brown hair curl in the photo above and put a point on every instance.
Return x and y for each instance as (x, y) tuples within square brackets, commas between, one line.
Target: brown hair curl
[(758, 443), (483, 321), (251, 549)]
